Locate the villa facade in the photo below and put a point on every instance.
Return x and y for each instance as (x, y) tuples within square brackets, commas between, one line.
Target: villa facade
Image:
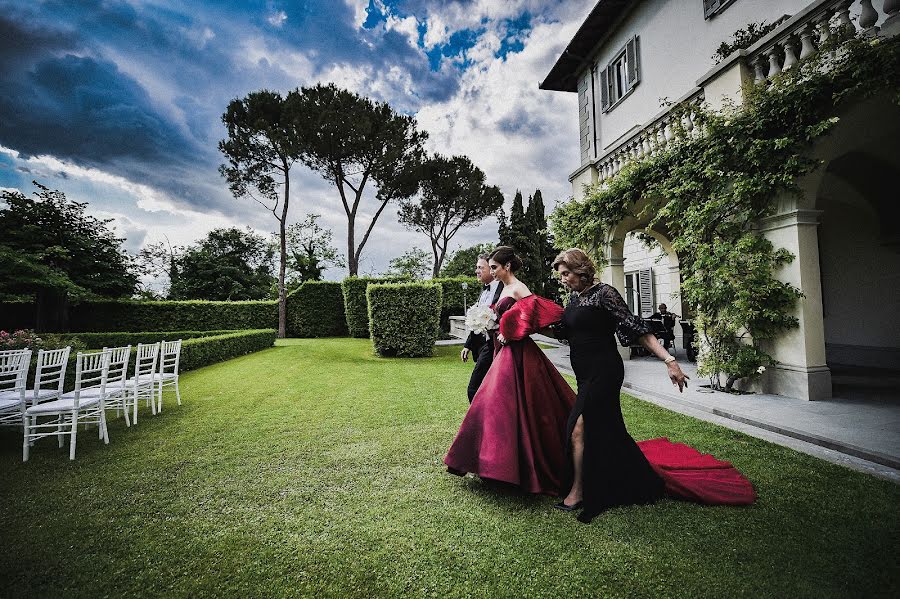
[(631, 58)]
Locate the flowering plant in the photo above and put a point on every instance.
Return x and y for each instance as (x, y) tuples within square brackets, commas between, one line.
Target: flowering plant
[(21, 339), (480, 319)]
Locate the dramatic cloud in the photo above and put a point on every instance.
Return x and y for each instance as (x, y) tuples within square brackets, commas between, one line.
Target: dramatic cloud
[(118, 103)]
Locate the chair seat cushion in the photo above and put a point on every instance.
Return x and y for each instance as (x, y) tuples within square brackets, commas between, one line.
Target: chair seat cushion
[(6, 404), (42, 395), (65, 404), (166, 376), (14, 395)]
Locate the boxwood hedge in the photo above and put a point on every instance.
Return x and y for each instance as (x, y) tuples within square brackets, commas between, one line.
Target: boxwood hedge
[(404, 318), (356, 305), (316, 309)]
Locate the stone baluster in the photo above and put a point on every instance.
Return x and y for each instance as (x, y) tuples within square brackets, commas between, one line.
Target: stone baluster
[(807, 46), (868, 16), (667, 128), (844, 21), (774, 60), (824, 26), (648, 148), (790, 54), (759, 69), (892, 9)]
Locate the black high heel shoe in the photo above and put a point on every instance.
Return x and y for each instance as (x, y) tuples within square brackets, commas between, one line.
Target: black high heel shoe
[(567, 508)]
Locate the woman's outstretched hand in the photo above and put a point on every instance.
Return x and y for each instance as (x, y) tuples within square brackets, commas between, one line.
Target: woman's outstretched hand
[(501, 339), (677, 376)]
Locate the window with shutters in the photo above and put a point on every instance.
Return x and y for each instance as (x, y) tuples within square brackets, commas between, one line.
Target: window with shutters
[(621, 75), (713, 7), (639, 292)]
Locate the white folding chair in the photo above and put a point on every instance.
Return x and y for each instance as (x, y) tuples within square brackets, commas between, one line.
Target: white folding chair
[(143, 383), (50, 375), (81, 406), (169, 357), (14, 364), (117, 382)]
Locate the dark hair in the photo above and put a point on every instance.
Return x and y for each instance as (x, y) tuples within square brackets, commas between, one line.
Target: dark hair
[(506, 255)]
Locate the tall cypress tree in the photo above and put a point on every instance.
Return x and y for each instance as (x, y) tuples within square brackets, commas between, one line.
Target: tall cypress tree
[(545, 251), (522, 240)]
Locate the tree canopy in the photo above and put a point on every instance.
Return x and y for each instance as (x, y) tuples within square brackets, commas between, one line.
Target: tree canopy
[(310, 251), (229, 264), (351, 140), (462, 261), (52, 250), (263, 144), (454, 195), (413, 264)]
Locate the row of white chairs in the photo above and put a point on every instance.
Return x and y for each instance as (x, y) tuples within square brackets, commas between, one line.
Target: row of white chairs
[(101, 383)]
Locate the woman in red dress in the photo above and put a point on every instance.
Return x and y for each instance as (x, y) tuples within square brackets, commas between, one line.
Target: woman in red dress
[(515, 428)]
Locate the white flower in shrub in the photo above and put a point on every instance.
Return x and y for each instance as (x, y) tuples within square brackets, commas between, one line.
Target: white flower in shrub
[(761, 370)]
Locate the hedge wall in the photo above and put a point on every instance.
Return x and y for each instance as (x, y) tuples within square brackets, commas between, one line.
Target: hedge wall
[(132, 315), (195, 352), (404, 318), (16, 315), (356, 305), (316, 309), (101, 340)]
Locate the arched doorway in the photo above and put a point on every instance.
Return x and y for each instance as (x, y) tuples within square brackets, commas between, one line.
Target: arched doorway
[(859, 248)]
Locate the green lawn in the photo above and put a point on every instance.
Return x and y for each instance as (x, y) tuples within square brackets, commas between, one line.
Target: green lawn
[(314, 469)]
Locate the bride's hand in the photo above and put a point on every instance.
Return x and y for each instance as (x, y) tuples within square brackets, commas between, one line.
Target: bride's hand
[(501, 339)]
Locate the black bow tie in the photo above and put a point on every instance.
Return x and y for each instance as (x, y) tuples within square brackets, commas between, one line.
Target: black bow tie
[(486, 287)]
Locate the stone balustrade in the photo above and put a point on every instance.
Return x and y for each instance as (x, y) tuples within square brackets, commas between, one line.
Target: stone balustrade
[(802, 35), (655, 137)]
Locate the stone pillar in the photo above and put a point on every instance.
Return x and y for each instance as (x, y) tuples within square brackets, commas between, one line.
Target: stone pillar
[(614, 274), (801, 371)]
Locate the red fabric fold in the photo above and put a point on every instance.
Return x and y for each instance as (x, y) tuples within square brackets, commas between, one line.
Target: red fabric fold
[(694, 476), (527, 316)]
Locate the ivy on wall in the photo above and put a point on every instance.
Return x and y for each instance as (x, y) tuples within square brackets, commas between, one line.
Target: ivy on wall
[(708, 191)]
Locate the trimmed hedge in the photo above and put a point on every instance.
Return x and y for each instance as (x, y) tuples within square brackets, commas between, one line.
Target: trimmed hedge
[(195, 352), (16, 315), (195, 315), (112, 339), (316, 309), (404, 318), (356, 306)]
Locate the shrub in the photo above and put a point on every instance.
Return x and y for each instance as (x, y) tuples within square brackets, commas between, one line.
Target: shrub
[(195, 352), (356, 305), (17, 315), (316, 309), (404, 318), (115, 339), (197, 315)]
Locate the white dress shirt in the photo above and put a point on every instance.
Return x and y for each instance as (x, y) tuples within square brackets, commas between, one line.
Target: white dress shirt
[(487, 295)]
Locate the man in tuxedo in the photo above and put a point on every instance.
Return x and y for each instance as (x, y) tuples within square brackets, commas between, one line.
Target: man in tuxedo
[(482, 351), (668, 323)]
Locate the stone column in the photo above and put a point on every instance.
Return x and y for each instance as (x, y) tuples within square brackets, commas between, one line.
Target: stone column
[(801, 371)]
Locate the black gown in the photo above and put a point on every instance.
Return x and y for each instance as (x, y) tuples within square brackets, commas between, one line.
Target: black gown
[(614, 470)]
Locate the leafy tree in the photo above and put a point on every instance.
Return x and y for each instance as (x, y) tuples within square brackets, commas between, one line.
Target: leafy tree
[(157, 260), (310, 251), (51, 250), (351, 140), (520, 237), (262, 146), (229, 264), (454, 195), (412, 264), (462, 262)]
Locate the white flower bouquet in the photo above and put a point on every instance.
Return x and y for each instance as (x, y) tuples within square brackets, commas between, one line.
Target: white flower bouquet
[(480, 319)]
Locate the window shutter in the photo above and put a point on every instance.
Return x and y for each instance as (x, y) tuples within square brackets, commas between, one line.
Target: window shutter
[(645, 278), (632, 54), (710, 7), (604, 90)]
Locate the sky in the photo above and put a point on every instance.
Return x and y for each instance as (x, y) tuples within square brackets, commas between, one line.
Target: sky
[(118, 103)]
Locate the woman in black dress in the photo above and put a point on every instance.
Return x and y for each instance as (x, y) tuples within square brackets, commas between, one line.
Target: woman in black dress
[(609, 468)]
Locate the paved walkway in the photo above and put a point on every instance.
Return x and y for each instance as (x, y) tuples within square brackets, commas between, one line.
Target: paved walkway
[(857, 433)]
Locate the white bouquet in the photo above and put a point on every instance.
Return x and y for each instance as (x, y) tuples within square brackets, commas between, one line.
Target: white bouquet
[(480, 319)]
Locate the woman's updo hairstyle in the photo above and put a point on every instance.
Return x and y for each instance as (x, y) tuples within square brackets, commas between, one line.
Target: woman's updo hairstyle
[(506, 255), (578, 262)]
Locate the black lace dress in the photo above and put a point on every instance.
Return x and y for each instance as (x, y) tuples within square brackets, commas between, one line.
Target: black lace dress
[(614, 471)]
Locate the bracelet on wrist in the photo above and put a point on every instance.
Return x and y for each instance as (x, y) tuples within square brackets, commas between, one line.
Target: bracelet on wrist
[(669, 360)]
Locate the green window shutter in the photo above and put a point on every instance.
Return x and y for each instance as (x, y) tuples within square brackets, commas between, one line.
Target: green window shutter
[(632, 57), (604, 90)]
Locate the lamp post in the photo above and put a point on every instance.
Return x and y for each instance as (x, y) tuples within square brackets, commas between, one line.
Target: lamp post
[(464, 287)]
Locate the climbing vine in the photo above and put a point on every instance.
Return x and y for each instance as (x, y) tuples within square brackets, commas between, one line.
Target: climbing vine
[(710, 190)]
